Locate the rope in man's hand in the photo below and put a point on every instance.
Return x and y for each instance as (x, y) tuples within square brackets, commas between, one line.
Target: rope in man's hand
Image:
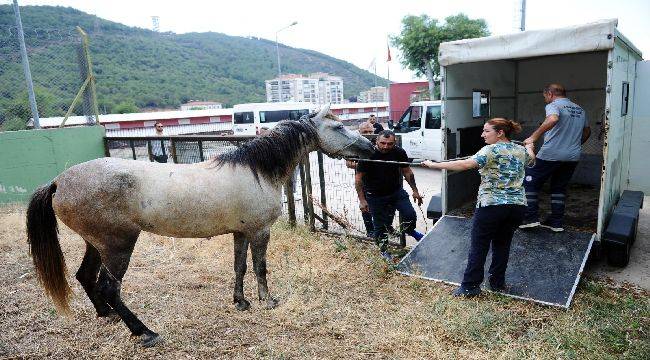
[(418, 162)]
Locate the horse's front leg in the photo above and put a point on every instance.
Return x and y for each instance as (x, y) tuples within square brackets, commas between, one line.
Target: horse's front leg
[(259, 245), (241, 252)]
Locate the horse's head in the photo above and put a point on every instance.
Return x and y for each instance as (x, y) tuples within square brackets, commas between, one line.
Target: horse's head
[(336, 140)]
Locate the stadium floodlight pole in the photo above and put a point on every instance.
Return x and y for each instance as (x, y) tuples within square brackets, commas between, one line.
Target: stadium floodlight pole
[(28, 73), (277, 50)]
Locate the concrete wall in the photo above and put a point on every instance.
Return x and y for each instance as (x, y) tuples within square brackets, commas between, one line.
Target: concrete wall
[(31, 158)]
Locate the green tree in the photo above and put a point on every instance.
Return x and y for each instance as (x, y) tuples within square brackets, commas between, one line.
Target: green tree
[(421, 37), (125, 108)]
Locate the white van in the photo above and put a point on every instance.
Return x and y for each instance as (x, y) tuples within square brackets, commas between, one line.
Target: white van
[(249, 119), (420, 130)]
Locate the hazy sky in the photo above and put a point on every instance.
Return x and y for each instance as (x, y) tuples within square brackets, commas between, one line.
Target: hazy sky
[(357, 31)]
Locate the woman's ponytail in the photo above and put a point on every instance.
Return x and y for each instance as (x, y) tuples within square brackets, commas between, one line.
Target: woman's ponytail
[(508, 127)]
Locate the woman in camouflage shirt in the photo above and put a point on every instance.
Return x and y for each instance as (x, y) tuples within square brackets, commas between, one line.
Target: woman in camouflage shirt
[(500, 205)]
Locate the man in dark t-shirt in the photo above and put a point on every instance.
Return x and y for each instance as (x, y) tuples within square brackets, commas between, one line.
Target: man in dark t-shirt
[(377, 126), (380, 191)]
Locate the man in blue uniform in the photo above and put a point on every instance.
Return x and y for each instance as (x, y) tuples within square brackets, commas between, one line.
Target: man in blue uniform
[(565, 129)]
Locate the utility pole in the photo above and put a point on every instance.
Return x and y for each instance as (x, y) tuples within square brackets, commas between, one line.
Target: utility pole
[(522, 27), (277, 50), (28, 73)]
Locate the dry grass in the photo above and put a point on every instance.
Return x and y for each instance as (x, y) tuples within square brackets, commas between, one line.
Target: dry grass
[(338, 300)]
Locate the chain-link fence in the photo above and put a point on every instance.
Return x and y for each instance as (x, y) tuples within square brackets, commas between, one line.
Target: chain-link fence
[(331, 200), (59, 67)]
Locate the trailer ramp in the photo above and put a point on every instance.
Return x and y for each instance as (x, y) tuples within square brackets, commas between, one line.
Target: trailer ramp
[(544, 266)]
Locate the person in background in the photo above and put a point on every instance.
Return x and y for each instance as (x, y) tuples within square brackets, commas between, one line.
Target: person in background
[(365, 128), (377, 126), (380, 191), (158, 151), (500, 205), (565, 129)]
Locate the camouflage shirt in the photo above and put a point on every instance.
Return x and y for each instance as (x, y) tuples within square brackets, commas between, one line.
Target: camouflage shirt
[(502, 168)]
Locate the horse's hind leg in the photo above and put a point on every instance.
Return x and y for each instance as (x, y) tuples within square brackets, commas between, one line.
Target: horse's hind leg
[(87, 277), (259, 244), (115, 261), (241, 252)]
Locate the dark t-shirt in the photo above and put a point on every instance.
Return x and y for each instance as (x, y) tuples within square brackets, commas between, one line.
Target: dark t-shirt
[(378, 127), (383, 179)]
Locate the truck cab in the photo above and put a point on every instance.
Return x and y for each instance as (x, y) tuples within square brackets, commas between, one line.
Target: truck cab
[(420, 129)]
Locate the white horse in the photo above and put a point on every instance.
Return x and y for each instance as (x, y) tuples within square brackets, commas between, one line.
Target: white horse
[(109, 201)]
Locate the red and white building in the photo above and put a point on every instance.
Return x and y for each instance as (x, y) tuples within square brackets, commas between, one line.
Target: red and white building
[(199, 121)]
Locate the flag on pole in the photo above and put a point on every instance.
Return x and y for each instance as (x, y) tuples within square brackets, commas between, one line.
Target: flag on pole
[(388, 58)]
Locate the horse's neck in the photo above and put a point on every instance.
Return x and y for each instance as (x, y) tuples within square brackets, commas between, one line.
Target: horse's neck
[(295, 161)]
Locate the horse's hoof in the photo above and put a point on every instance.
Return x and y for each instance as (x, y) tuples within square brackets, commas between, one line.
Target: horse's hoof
[(272, 303), (242, 305), (151, 339)]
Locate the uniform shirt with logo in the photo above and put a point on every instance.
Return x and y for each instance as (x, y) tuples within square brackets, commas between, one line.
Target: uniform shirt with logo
[(563, 141)]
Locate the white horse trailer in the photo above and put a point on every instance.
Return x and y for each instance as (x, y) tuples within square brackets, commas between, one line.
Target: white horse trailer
[(503, 76)]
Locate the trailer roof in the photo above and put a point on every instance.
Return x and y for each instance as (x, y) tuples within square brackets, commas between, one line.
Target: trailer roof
[(596, 36)]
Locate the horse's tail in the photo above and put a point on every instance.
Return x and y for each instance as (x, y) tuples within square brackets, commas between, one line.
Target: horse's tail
[(43, 240)]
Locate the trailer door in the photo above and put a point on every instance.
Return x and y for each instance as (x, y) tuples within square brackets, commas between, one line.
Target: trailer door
[(639, 177)]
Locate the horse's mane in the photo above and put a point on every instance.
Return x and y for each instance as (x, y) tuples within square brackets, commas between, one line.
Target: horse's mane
[(272, 154)]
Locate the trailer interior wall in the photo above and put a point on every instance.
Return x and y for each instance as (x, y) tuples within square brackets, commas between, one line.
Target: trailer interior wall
[(459, 82), (584, 75)]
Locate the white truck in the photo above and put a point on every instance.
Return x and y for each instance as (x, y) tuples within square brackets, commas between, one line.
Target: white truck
[(420, 130)]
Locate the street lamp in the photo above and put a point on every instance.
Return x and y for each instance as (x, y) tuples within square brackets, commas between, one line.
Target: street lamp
[(277, 50)]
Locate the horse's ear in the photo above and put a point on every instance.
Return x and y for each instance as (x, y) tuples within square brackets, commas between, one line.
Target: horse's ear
[(321, 114)]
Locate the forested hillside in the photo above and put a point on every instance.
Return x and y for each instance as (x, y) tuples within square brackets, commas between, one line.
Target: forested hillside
[(139, 69)]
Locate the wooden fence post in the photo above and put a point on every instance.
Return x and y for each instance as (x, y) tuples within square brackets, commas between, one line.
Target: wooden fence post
[(173, 148), (305, 207), (132, 149), (201, 156), (323, 195), (308, 195), (107, 151)]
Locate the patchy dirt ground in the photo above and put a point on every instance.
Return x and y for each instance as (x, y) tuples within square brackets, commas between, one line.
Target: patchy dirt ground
[(338, 300)]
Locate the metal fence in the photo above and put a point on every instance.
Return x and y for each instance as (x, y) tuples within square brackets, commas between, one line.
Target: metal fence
[(323, 195), (59, 66)]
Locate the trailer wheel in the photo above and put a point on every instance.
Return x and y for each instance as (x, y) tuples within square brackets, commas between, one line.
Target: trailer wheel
[(618, 256)]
